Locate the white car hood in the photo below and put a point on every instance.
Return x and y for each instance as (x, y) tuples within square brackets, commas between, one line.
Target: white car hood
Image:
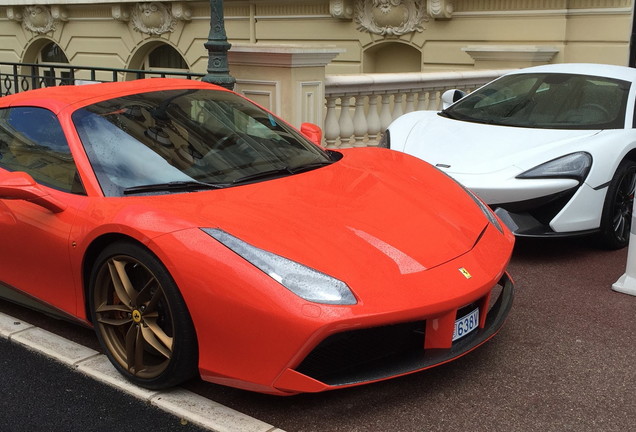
[(472, 148)]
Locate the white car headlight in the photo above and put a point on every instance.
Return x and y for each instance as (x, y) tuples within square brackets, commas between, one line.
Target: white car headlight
[(575, 166), (303, 281)]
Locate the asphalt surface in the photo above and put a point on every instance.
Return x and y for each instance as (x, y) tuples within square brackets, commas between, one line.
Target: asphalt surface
[(564, 361), (38, 394)]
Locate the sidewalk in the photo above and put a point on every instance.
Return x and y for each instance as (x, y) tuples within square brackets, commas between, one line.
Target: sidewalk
[(187, 407)]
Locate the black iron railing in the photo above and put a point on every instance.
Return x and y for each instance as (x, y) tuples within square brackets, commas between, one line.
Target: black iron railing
[(17, 77)]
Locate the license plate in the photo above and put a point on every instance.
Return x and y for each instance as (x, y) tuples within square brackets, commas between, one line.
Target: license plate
[(466, 324)]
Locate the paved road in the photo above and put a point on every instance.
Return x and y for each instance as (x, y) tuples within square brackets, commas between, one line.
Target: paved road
[(38, 394), (564, 361)]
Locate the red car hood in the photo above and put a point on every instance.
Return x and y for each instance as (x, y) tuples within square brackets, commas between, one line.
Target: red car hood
[(356, 213)]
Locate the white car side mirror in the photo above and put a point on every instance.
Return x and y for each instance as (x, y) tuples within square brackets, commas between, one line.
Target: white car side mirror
[(449, 97)]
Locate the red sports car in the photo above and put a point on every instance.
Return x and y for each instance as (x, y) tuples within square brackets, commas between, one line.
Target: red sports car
[(199, 233)]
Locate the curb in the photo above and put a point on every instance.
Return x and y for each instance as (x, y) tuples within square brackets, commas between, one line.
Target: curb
[(179, 402)]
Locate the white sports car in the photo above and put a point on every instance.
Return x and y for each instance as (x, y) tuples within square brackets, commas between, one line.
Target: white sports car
[(551, 148)]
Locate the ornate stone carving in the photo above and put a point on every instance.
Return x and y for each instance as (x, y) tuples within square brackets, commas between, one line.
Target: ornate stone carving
[(391, 17), (341, 9), (181, 12), (152, 18), (38, 19), (440, 9), (120, 12), (14, 14), (59, 13)]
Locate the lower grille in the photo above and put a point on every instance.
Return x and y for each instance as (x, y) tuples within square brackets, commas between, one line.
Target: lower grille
[(380, 352), (344, 356)]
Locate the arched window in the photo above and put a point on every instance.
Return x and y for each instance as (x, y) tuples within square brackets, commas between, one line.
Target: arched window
[(392, 57), (165, 58), (52, 53), (156, 57)]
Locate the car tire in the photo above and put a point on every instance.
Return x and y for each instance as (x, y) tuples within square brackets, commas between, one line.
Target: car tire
[(617, 209), (140, 318)]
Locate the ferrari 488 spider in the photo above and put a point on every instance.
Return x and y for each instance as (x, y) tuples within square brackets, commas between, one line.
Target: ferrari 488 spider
[(551, 148), (200, 234)]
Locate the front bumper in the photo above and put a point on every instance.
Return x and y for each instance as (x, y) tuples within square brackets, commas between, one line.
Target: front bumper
[(527, 225), (366, 355), (574, 212)]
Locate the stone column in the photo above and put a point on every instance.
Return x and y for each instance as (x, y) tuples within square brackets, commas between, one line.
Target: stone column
[(286, 79)]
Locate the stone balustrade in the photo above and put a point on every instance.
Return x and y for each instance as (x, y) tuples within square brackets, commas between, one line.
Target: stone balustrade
[(360, 107), (353, 110)]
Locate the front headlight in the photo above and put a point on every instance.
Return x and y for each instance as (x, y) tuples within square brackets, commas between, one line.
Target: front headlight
[(575, 166), (303, 281)]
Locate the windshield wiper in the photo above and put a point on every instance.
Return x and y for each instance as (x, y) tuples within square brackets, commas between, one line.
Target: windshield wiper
[(174, 186), (273, 173), (470, 119), (309, 166), (280, 172), (446, 114)]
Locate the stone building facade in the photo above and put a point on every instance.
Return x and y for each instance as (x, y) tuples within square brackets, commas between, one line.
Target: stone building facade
[(371, 35)]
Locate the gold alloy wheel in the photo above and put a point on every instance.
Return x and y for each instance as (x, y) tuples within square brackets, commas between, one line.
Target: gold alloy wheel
[(133, 317)]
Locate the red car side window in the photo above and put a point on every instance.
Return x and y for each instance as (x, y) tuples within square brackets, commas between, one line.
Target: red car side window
[(32, 140)]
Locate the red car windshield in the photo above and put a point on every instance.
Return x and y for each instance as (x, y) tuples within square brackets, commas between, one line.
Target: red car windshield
[(177, 140), (546, 100)]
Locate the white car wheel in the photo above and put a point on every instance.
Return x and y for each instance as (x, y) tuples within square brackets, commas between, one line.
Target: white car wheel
[(617, 209)]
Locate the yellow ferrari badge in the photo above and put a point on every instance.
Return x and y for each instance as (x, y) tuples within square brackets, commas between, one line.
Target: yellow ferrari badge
[(465, 273)]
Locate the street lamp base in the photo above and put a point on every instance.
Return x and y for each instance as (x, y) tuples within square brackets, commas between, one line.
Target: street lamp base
[(222, 80)]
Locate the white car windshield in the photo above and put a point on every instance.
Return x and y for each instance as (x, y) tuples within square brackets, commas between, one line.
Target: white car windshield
[(546, 100), (181, 140)]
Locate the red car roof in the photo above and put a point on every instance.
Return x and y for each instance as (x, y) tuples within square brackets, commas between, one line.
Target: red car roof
[(56, 98)]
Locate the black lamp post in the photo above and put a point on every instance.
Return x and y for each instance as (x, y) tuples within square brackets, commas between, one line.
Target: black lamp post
[(218, 46)]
